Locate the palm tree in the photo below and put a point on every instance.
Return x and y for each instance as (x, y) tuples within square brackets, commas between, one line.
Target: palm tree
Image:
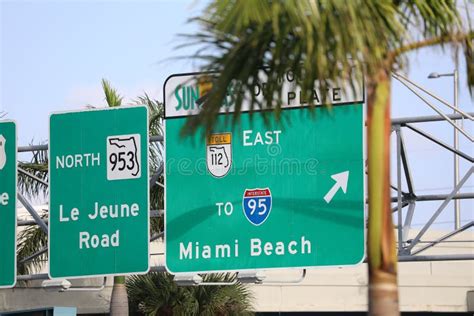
[(157, 294), (323, 40)]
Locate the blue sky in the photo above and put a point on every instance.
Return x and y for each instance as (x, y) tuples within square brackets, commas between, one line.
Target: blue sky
[(54, 54)]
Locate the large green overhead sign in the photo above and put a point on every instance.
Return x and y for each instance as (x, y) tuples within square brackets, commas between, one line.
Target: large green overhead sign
[(99, 217), (258, 195), (7, 204)]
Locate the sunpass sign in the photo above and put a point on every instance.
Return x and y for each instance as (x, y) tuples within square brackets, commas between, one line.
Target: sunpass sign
[(99, 217), (8, 179), (264, 195)]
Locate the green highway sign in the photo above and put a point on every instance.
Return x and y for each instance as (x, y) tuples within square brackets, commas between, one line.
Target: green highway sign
[(8, 178), (99, 216), (264, 195)]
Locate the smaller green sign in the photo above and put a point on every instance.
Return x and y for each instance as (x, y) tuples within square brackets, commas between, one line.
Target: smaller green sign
[(7, 204), (99, 217)]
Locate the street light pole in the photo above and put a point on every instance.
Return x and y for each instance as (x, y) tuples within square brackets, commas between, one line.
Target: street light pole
[(457, 203)]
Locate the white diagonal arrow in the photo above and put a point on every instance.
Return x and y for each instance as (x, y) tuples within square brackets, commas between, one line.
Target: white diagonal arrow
[(341, 183)]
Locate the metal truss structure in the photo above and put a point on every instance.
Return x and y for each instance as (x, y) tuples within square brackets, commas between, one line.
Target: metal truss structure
[(410, 248)]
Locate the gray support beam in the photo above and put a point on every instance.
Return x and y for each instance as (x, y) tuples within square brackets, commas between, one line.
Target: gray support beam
[(156, 213), (156, 236), (33, 213), (455, 108), (393, 187), (23, 149), (155, 177), (424, 119), (408, 219), (434, 197), (32, 176), (404, 203), (436, 258), (399, 191), (441, 208), (36, 254), (31, 277), (451, 234), (438, 197), (156, 138), (436, 109), (29, 222), (440, 143), (406, 167)]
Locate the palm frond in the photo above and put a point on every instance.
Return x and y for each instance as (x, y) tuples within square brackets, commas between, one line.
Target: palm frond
[(154, 293), (30, 241), (155, 121), (468, 47), (38, 167), (111, 95), (156, 113), (233, 299), (321, 41), (157, 294)]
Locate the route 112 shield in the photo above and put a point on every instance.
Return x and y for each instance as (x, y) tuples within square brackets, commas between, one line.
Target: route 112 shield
[(219, 154)]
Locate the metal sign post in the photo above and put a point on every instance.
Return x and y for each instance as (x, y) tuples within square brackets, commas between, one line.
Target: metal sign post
[(99, 216)]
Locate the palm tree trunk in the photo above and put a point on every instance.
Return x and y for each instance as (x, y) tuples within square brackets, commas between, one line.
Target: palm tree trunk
[(382, 256), (119, 299)]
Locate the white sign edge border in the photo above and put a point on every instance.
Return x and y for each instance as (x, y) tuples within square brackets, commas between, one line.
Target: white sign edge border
[(363, 103), (148, 190), (196, 74), (16, 206)]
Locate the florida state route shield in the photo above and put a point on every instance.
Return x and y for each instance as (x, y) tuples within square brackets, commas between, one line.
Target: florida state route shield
[(219, 154)]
